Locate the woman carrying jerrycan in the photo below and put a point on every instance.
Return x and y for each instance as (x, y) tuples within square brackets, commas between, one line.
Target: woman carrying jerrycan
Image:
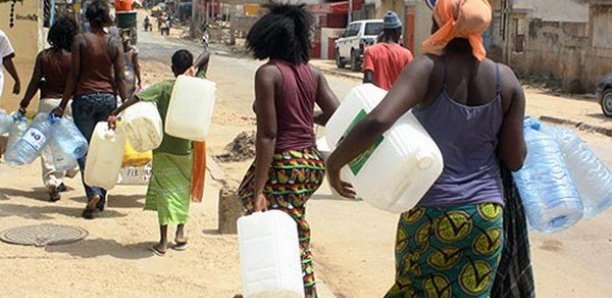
[(170, 187), (96, 76), (473, 108), (50, 73), (288, 168)]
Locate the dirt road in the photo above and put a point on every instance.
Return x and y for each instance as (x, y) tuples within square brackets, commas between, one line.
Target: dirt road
[(353, 242)]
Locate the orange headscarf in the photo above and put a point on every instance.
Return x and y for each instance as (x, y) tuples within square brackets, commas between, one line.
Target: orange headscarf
[(463, 19)]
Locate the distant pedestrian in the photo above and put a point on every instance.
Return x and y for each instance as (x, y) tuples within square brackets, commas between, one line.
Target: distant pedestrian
[(147, 24), (132, 66), (97, 76), (384, 61), (169, 190), (288, 168), (449, 245), (51, 71), (7, 54)]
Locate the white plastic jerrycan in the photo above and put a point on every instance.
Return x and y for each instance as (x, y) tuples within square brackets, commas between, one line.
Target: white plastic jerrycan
[(143, 126), (191, 108), (105, 156), (270, 255), (402, 164)]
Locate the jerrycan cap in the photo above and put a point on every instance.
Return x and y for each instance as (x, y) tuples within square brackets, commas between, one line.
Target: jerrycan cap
[(532, 123), (54, 118), (424, 160)]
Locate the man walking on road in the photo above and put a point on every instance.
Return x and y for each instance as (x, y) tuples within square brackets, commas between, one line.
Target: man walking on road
[(6, 57), (384, 61)]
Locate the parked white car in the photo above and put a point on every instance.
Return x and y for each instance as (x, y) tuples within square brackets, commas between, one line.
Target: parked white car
[(358, 35)]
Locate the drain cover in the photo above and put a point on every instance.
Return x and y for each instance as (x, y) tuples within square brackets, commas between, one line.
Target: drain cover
[(43, 235)]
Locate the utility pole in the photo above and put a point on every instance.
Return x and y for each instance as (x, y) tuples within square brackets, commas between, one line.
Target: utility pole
[(350, 11)]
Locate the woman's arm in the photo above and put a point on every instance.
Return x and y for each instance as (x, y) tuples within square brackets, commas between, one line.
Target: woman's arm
[(75, 73), (512, 149), (409, 90), (33, 86), (137, 69), (201, 63), (326, 100), (119, 67), (266, 80), (10, 68)]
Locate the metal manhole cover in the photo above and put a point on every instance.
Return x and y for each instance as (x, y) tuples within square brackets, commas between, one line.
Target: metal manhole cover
[(43, 235)]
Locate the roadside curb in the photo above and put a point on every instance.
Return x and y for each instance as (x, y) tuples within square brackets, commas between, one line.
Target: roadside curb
[(579, 125), (340, 74)]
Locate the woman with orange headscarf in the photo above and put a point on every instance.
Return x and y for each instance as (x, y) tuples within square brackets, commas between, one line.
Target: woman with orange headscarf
[(473, 108)]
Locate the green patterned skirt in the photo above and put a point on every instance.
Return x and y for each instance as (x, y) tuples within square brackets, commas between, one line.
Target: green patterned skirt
[(448, 252), (169, 190), (293, 177)]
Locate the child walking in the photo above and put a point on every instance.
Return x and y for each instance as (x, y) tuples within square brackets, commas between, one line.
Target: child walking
[(169, 191)]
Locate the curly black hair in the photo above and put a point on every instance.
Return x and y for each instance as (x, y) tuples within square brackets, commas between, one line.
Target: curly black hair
[(62, 33), (98, 14), (284, 33)]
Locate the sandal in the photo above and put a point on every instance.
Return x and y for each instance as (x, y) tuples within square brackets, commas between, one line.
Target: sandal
[(62, 188), (89, 213), (181, 246), (157, 252), (54, 195)]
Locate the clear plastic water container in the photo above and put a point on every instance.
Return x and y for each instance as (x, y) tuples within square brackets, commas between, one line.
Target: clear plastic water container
[(6, 122), (270, 255), (32, 142), (61, 160), (18, 128), (69, 138), (143, 126), (592, 178), (549, 196), (191, 107), (105, 156), (402, 164)]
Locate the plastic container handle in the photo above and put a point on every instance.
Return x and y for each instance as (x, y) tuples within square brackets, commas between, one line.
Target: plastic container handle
[(424, 160)]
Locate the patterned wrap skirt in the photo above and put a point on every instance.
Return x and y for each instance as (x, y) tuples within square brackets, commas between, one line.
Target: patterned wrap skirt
[(448, 252), (169, 191), (293, 177)]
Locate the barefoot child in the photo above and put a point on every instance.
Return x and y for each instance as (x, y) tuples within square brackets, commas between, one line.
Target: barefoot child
[(169, 189)]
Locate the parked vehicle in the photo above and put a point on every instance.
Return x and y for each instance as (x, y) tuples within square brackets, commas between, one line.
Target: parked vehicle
[(358, 36), (604, 94)]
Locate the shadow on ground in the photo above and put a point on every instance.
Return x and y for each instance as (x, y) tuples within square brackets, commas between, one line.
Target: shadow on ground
[(47, 212), (39, 193), (126, 201), (92, 248)]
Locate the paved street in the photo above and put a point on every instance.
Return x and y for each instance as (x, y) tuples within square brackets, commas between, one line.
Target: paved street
[(353, 242)]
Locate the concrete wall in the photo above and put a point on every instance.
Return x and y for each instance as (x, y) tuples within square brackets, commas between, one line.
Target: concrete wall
[(577, 54), (553, 49), (393, 5), (598, 57), (25, 39), (422, 23)]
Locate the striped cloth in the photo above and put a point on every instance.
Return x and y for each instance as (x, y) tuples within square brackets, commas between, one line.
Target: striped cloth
[(514, 277)]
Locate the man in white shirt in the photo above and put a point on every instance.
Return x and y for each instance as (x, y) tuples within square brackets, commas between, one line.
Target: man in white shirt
[(7, 54)]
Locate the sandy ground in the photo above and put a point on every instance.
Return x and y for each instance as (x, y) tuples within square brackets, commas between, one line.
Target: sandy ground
[(353, 242)]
